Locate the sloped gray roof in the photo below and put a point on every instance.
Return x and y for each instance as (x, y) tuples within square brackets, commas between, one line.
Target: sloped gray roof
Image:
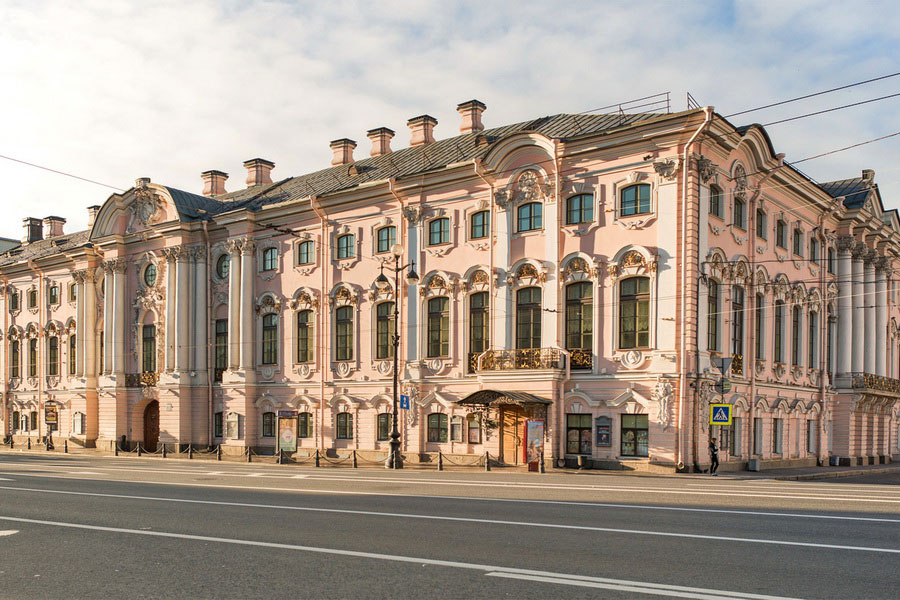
[(855, 191), (44, 248), (421, 159), (193, 206)]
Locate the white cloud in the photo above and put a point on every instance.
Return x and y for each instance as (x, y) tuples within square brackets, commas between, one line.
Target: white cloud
[(113, 91)]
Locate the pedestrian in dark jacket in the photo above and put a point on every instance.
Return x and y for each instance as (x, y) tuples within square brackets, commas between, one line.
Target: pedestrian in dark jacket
[(713, 457)]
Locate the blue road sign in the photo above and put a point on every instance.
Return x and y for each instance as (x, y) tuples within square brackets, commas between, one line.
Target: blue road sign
[(720, 414), (404, 402)]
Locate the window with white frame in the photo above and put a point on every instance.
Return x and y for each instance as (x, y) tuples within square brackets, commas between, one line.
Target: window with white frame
[(343, 333), (634, 313)]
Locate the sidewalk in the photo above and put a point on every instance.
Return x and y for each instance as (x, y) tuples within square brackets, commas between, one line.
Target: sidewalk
[(810, 473)]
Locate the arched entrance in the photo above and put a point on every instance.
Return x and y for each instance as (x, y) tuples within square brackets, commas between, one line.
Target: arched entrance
[(151, 426)]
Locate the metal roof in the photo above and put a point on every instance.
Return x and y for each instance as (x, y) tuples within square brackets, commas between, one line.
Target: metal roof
[(44, 248), (496, 398), (855, 191)]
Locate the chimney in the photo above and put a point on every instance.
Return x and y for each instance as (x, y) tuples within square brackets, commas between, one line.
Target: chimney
[(422, 130), (92, 214), (53, 227), (868, 175), (381, 140), (258, 170), (471, 116), (34, 231), (214, 182), (343, 151)]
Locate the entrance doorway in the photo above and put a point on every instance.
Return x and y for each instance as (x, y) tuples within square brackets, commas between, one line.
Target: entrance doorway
[(151, 426), (512, 430)]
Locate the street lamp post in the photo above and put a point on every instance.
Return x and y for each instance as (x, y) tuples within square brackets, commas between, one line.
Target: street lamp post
[(394, 461)]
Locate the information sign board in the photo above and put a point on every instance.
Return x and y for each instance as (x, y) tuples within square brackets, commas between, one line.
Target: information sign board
[(404, 402), (534, 440)]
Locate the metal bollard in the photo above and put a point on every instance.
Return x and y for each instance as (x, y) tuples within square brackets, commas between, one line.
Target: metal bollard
[(164, 451), (541, 468), (317, 457), (355, 465), (487, 461), (249, 455), (440, 461), (29, 443), (280, 459), (139, 448), (12, 443), (66, 447), (219, 452), (190, 451), (116, 448)]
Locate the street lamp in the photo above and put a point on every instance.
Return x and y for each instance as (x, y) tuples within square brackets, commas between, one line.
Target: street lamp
[(382, 282)]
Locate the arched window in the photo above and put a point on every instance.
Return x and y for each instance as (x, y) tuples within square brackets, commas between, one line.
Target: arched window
[(15, 359), (343, 330), (383, 427), (740, 214), (779, 331), (32, 357), (54, 294), (72, 354), (635, 200), (269, 340), (715, 201), (270, 259), (456, 429), (304, 425), (530, 216), (384, 330), (346, 246), (387, 237), (712, 315), (344, 422), (437, 428), (148, 348), (223, 265), (268, 424), (438, 330), (634, 313), (580, 324), (304, 336), (53, 356), (305, 255), (150, 275), (439, 231), (479, 225), (580, 209), (528, 318), (479, 332)]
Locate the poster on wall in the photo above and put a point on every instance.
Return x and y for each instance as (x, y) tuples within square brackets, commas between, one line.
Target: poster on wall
[(534, 440), (232, 426), (287, 430), (604, 431)]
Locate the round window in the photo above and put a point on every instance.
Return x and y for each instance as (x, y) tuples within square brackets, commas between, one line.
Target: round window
[(150, 275), (222, 266)]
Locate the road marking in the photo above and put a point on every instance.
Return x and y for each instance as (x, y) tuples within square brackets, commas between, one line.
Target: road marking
[(4, 479), (6, 532), (372, 513), (318, 491), (673, 590)]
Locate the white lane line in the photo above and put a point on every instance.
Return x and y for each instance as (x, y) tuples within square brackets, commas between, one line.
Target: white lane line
[(6, 532), (372, 513), (475, 499), (400, 558), (5, 479)]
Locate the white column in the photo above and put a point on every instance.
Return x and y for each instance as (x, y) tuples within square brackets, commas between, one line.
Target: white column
[(844, 340), (170, 254), (857, 357), (119, 282), (869, 311), (234, 304), (201, 318), (881, 300), (87, 325), (247, 313), (80, 325), (182, 310)]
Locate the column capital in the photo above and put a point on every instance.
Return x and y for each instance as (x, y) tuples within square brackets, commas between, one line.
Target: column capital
[(198, 252), (870, 256), (882, 264), (79, 275), (858, 250), (248, 246), (845, 243), (114, 265)]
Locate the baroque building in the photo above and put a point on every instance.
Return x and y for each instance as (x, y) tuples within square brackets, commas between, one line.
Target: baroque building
[(601, 273)]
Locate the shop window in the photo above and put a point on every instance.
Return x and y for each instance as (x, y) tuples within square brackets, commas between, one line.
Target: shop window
[(635, 435), (383, 427), (268, 424), (344, 427), (578, 434), (437, 428)]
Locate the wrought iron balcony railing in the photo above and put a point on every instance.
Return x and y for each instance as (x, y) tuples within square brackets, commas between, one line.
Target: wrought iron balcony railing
[(879, 383), (525, 358), (146, 379), (580, 358), (737, 364)]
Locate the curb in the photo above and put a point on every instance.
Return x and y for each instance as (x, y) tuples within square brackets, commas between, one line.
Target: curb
[(836, 474)]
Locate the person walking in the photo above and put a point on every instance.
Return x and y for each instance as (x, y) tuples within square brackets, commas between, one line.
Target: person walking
[(713, 457)]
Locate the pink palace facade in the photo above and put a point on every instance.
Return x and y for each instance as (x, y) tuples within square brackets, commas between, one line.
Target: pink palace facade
[(592, 271)]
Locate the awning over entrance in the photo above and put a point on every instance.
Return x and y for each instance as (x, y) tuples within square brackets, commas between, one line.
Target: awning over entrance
[(497, 398)]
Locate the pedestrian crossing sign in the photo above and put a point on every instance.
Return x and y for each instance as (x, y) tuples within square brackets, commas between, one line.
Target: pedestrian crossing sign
[(720, 414)]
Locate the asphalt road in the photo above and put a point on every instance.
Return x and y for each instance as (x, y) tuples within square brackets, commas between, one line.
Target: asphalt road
[(103, 527)]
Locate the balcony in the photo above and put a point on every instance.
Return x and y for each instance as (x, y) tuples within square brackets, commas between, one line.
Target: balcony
[(878, 383), (521, 359), (147, 379)]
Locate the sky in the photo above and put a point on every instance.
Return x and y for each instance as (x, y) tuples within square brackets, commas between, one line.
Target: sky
[(114, 91)]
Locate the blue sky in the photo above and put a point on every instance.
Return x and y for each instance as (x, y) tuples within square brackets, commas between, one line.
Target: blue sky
[(113, 91)]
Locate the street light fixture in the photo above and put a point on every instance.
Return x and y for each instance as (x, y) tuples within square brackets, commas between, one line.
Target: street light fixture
[(382, 283)]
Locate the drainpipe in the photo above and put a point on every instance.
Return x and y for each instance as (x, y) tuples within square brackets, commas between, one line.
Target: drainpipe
[(682, 376), (560, 301), (210, 336), (824, 327), (323, 355)]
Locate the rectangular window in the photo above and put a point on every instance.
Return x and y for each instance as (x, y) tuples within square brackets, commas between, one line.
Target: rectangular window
[(757, 436), (528, 318), (530, 216), (344, 426), (761, 224), (737, 329), (736, 437), (777, 435), (813, 340), (304, 336), (781, 234), (580, 209), (779, 331), (635, 200), (268, 425), (32, 357), (473, 424), (813, 250), (73, 292), (32, 298), (387, 237), (384, 330), (740, 213), (217, 425), (635, 435), (304, 425), (760, 329), (383, 427), (456, 429), (480, 224), (54, 294), (831, 261), (478, 327), (578, 434), (795, 336), (14, 358), (346, 246), (437, 428), (712, 315), (438, 329), (715, 201), (78, 423), (270, 340), (221, 348), (343, 329), (811, 436), (634, 313), (148, 349), (53, 356), (72, 353), (305, 254), (798, 242)]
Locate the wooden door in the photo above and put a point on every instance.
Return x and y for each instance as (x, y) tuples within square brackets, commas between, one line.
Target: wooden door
[(151, 426), (512, 430)]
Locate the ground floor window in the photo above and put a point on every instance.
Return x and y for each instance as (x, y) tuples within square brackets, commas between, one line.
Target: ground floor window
[(777, 435), (456, 429), (33, 420), (578, 434), (811, 436), (344, 426), (437, 427), (217, 425), (15, 420), (474, 425), (757, 435), (735, 448), (304, 425), (78, 423), (383, 432), (635, 435), (268, 424)]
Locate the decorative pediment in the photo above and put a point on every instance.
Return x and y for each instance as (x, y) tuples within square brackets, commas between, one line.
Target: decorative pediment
[(632, 262), (633, 401), (268, 305)]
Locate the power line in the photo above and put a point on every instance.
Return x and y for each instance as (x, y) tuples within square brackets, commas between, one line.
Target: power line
[(843, 87), (30, 164), (828, 110)]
